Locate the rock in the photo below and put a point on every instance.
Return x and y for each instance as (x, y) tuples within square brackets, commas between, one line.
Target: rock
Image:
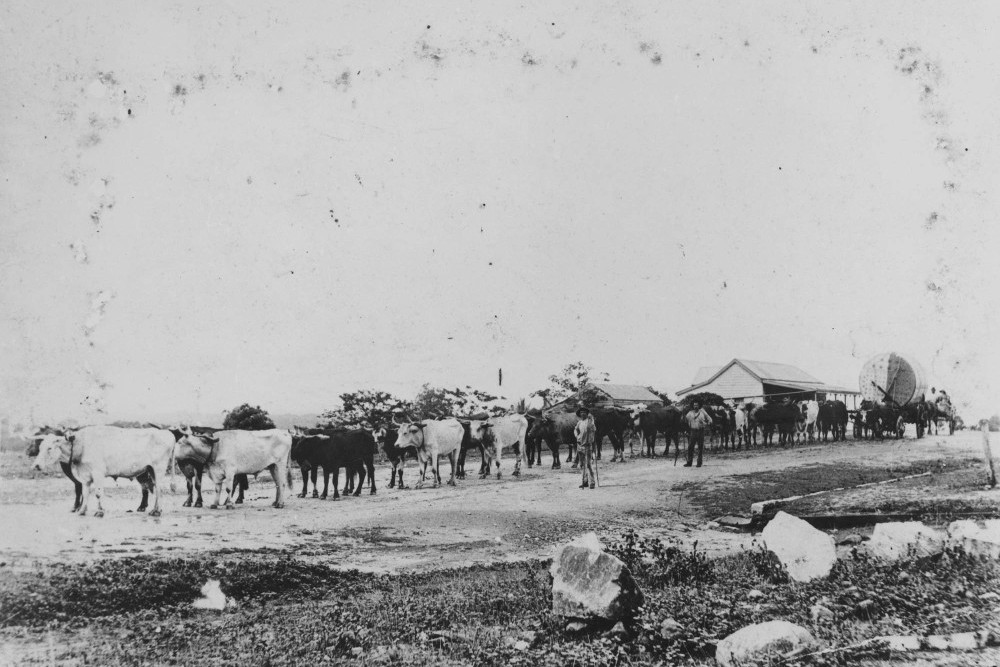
[(939, 642), (763, 642), (850, 540), (212, 597), (807, 553), (671, 629), (820, 614), (904, 539), (588, 583), (964, 641), (521, 645), (975, 539), (900, 642), (576, 626), (356, 651), (754, 594), (865, 608), (529, 636), (989, 596)]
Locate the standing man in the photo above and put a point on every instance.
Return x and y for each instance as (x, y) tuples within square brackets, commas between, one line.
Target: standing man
[(697, 420), (585, 431)]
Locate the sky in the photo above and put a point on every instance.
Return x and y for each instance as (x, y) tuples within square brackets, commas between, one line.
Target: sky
[(205, 204)]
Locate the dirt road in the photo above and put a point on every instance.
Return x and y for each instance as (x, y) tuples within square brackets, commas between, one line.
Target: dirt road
[(479, 521)]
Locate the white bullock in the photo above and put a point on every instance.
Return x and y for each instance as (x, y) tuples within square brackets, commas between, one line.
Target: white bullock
[(97, 452), (807, 427), (433, 439), (236, 452), (500, 433)]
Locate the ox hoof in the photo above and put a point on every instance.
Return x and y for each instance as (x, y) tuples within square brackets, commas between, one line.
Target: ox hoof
[(335, 498), (213, 506), (197, 503), (98, 514), (323, 497), (498, 475), (556, 466), (230, 506), (155, 513), (302, 495), (187, 503), (239, 501), (277, 505), (482, 476), (516, 473), (315, 494), (451, 482), (436, 485)]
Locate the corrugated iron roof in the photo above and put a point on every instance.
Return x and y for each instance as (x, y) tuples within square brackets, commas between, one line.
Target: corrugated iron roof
[(625, 392), (766, 371)]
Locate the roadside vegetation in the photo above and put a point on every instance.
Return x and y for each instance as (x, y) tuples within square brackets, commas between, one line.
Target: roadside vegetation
[(289, 611)]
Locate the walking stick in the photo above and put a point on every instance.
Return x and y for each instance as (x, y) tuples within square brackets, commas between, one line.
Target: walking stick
[(597, 475)]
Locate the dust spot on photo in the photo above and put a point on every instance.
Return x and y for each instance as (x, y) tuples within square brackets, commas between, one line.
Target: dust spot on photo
[(107, 78), (89, 140), (931, 221), (179, 90), (950, 186), (344, 80), (425, 51), (656, 59), (98, 305), (201, 78), (933, 286), (79, 252), (529, 60)]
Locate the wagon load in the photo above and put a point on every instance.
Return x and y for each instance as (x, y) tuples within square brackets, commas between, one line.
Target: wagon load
[(893, 379), (893, 386)]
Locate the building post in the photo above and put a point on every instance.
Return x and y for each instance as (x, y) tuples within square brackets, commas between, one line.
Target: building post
[(991, 473)]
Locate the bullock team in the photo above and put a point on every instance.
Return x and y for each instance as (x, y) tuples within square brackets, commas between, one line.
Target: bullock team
[(90, 454)]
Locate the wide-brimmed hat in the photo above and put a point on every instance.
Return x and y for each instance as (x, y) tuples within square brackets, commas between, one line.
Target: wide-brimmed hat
[(580, 411)]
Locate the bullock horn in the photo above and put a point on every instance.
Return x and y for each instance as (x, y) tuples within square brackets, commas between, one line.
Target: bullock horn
[(396, 421)]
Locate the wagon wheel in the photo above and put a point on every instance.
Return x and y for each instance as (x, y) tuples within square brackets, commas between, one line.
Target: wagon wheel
[(900, 426)]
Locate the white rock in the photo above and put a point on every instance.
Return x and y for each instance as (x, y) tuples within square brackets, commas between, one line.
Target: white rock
[(807, 553), (762, 642), (975, 539), (521, 645), (939, 642), (964, 641), (589, 583), (212, 597), (901, 642), (906, 539)]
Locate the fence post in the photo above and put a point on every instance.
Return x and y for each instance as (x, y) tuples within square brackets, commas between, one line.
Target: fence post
[(991, 473)]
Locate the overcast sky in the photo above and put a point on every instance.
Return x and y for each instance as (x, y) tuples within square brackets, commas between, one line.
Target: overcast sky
[(209, 203)]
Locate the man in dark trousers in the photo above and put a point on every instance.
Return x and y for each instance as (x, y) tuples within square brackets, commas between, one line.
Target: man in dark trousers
[(585, 431), (697, 420)]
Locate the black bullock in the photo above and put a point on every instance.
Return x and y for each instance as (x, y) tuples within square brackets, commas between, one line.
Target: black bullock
[(334, 449)]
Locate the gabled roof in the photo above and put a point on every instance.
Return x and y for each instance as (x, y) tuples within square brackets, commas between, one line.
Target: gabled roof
[(625, 392), (704, 373), (784, 375)]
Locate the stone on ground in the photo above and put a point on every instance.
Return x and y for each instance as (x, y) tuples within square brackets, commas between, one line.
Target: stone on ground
[(588, 583), (807, 553), (975, 539), (904, 539), (762, 642)]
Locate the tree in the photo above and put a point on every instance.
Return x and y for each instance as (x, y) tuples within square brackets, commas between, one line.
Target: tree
[(365, 408), (706, 398), (663, 397), (248, 418), (569, 380), (433, 401)]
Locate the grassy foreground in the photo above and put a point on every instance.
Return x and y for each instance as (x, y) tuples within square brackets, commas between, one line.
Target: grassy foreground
[(292, 612)]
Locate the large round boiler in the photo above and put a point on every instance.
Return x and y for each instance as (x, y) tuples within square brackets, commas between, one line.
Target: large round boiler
[(893, 379)]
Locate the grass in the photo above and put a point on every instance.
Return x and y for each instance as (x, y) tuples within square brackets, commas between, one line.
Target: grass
[(295, 612), (735, 493)]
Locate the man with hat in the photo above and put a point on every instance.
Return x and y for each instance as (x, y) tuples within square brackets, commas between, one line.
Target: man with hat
[(697, 420), (585, 431)]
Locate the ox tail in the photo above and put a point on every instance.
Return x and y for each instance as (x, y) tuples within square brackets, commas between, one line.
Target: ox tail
[(288, 471), (170, 468)]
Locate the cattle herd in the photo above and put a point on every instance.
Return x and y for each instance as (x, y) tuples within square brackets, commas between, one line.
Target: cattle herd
[(90, 454)]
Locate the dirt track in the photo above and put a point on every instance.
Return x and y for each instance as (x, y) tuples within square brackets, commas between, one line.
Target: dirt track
[(480, 521)]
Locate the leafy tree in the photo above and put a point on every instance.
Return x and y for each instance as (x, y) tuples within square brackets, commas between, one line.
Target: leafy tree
[(663, 397), (433, 401), (569, 381), (248, 418), (704, 397), (365, 409)]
